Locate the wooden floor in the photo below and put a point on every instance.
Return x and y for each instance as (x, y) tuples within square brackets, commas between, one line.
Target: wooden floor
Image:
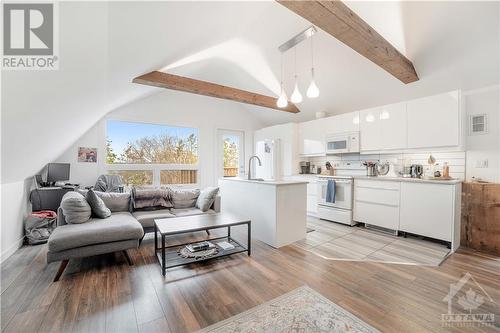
[(104, 294)]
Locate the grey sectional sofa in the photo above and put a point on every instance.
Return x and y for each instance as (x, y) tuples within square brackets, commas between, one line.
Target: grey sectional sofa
[(123, 230)]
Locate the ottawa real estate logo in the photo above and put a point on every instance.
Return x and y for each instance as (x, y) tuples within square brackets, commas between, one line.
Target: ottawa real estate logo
[(30, 36), (466, 300)]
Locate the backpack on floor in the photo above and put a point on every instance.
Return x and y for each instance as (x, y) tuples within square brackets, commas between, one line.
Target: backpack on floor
[(39, 225)]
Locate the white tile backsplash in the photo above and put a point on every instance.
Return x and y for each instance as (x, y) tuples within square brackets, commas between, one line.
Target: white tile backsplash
[(455, 160)]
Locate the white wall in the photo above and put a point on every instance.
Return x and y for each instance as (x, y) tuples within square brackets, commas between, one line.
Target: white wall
[(484, 147), (169, 108), (15, 207)]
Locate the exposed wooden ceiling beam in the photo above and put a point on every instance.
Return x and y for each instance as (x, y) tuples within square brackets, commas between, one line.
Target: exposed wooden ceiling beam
[(181, 83), (342, 23)]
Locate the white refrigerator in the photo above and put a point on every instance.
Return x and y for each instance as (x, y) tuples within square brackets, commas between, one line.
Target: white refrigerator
[(269, 153)]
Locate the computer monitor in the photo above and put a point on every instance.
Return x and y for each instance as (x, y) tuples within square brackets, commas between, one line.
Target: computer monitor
[(57, 172)]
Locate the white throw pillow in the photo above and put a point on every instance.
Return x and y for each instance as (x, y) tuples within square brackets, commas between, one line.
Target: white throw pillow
[(206, 198)]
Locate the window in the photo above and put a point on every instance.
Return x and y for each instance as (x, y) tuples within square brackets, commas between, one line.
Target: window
[(178, 177), (231, 153), (152, 154), (138, 143), (135, 177)]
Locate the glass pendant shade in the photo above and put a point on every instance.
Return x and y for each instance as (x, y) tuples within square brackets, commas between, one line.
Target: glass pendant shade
[(282, 100), (313, 90), (296, 95)]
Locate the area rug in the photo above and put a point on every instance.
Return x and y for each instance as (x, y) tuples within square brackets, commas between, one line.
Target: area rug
[(301, 310)]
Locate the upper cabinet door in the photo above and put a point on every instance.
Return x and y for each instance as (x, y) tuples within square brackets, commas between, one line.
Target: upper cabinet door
[(312, 137), (434, 121), (370, 130), (393, 125), (342, 123)]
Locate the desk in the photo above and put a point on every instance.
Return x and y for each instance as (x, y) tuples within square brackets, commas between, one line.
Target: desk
[(48, 198)]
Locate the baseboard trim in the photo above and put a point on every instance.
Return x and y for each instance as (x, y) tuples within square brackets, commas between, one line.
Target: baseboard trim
[(11, 250)]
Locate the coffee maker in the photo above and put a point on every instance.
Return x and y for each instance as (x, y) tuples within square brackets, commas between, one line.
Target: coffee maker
[(305, 167)]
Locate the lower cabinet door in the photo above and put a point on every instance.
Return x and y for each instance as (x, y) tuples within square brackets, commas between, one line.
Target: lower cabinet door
[(427, 210), (312, 205), (384, 216)]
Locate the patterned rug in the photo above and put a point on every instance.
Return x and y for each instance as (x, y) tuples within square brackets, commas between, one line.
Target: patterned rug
[(301, 310)]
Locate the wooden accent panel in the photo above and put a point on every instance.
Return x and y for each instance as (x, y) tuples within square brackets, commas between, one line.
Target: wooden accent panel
[(181, 83), (342, 23), (481, 217)]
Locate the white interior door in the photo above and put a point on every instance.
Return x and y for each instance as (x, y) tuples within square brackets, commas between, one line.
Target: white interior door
[(231, 153)]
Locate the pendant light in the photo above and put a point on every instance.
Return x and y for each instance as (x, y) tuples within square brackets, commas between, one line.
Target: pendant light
[(296, 95), (313, 90), (283, 99)]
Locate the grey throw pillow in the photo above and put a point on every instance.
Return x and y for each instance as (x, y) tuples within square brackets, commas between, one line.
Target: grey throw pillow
[(75, 208), (185, 198), (207, 198), (98, 206), (115, 201)]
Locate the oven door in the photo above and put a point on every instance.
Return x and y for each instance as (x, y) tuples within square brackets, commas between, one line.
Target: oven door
[(337, 145), (343, 193)]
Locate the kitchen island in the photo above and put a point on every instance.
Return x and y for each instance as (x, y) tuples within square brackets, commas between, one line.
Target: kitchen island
[(277, 209)]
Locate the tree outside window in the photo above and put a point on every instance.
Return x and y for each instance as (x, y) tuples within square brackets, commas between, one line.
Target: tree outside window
[(130, 143), (231, 156)]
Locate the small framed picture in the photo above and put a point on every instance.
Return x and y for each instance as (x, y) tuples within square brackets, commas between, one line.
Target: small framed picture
[(87, 155)]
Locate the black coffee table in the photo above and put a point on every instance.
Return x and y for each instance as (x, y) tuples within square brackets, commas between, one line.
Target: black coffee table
[(168, 256)]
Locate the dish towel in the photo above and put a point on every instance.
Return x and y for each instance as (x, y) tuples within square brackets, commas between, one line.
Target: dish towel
[(330, 191)]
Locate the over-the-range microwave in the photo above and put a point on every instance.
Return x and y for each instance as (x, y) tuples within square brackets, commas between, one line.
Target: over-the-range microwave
[(342, 143)]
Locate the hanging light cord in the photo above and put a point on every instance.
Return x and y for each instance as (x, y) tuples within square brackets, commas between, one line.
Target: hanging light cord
[(295, 61), (312, 54), (281, 72)]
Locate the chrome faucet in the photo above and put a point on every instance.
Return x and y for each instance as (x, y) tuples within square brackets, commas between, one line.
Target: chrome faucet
[(250, 165)]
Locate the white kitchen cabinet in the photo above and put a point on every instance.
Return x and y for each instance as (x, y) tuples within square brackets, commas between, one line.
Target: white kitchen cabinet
[(434, 121), (369, 127), (377, 203), (383, 128), (342, 123), (393, 126), (312, 138), (429, 210)]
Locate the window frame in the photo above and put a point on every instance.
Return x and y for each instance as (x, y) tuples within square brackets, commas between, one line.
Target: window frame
[(155, 167)]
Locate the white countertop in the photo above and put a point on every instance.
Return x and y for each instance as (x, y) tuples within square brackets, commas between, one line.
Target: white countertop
[(266, 182), (412, 180)]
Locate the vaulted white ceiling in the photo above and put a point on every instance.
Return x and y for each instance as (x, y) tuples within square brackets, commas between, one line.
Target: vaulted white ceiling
[(104, 45)]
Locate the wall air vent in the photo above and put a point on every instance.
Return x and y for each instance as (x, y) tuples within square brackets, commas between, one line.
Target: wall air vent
[(478, 124)]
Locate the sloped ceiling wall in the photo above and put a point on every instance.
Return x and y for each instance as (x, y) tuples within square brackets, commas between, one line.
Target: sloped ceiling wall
[(44, 111), (104, 45)]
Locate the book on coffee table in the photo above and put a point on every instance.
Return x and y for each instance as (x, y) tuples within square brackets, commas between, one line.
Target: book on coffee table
[(225, 245), (195, 247)]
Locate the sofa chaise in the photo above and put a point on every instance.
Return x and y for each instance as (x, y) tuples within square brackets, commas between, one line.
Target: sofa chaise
[(124, 229)]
